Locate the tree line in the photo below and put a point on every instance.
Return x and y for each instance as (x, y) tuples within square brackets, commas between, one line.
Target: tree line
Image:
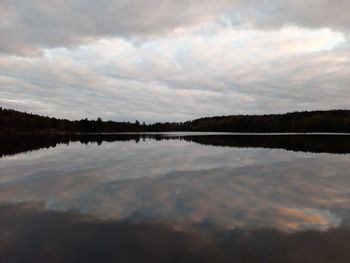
[(12, 121)]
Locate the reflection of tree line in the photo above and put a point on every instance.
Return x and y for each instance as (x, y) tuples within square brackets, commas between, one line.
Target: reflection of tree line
[(12, 121), (304, 143), (10, 145)]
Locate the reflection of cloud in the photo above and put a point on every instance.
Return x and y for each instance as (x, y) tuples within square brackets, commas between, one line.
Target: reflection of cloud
[(183, 182), (30, 233), (299, 218)]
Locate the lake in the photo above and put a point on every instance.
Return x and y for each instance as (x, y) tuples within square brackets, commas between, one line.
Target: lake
[(175, 197)]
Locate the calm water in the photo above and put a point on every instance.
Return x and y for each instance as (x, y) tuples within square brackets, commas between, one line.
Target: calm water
[(174, 198)]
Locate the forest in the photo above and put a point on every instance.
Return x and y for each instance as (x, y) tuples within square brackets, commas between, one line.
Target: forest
[(337, 121)]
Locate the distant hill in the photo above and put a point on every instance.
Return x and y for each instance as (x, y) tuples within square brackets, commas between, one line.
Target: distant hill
[(337, 121)]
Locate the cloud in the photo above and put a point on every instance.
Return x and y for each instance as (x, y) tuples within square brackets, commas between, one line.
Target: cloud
[(200, 71), (313, 14), (127, 60), (26, 28)]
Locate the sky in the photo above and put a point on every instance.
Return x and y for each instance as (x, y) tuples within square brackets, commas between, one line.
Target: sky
[(173, 60)]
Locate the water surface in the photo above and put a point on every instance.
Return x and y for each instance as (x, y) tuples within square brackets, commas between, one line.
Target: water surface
[(212, 197)]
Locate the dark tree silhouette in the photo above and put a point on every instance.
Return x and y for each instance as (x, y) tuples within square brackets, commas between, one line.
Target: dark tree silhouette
[(12, 121)]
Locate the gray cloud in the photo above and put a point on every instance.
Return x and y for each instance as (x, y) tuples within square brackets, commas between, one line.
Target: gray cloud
[(27, 27), (314, 13)]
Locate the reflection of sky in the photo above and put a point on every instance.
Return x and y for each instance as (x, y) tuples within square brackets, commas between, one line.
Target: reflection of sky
[(184, 182)]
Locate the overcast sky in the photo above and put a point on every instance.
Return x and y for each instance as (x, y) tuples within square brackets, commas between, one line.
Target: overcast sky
[(162, 60)]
